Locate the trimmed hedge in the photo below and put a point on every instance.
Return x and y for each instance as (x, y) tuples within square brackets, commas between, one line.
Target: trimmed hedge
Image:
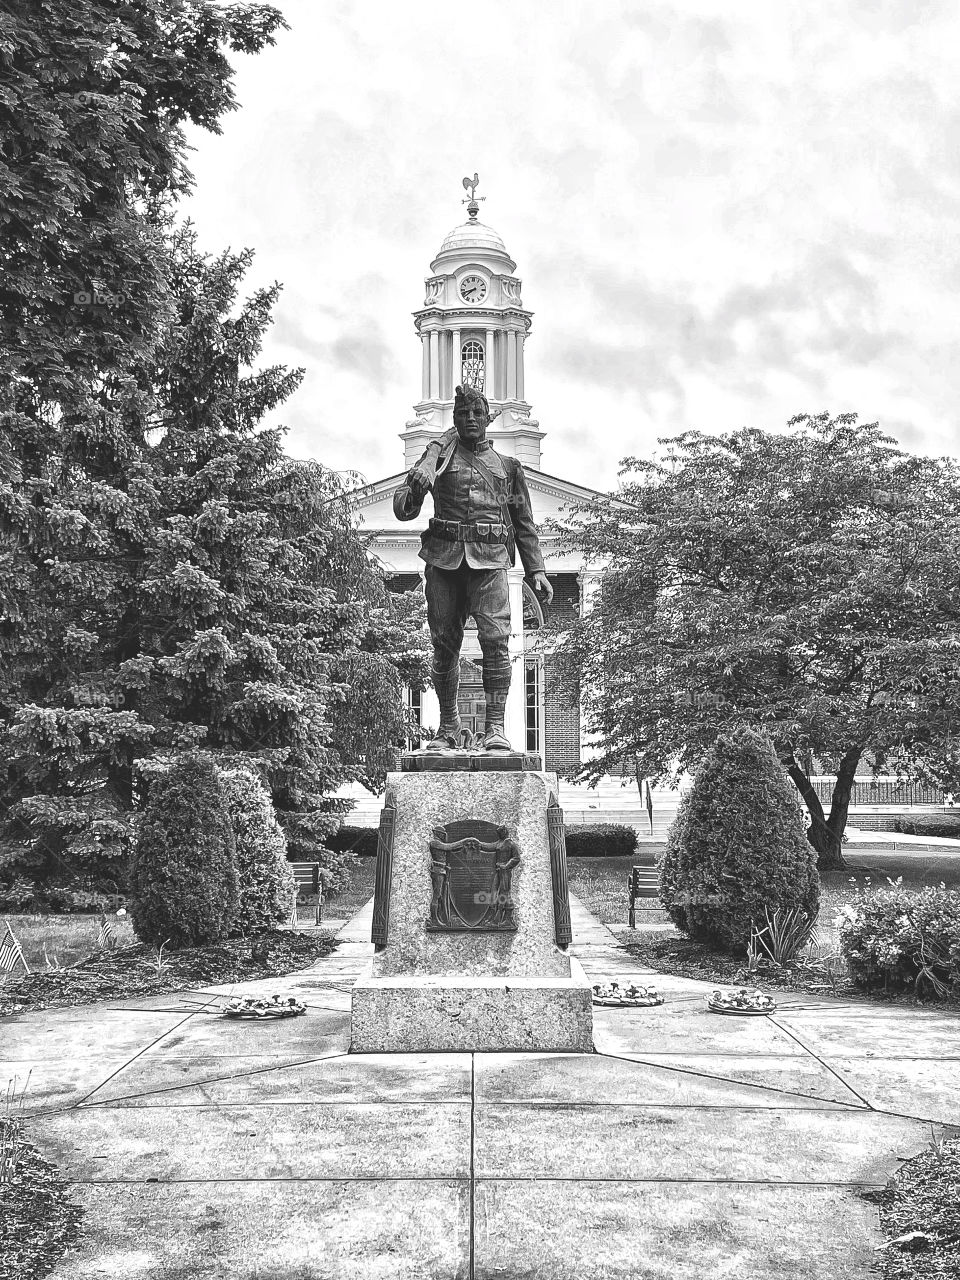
[(738, 846), (265, 880), (183, 875), (930, 824), (904, 939), (605, 840)]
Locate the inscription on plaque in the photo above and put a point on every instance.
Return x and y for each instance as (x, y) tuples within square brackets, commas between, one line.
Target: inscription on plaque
[(471, 867)]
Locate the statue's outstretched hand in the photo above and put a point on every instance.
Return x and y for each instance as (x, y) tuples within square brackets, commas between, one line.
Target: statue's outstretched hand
[(542, 583)]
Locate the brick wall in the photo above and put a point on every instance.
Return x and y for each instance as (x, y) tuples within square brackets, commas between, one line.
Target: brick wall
[(561, 714)]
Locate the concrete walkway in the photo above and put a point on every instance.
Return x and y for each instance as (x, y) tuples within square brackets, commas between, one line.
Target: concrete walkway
[(690, 1145)]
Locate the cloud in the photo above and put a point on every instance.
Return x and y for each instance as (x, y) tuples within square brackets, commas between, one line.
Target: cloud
[(721, 216)]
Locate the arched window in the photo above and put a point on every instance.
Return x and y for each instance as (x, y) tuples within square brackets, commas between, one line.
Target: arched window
[(471, 365)]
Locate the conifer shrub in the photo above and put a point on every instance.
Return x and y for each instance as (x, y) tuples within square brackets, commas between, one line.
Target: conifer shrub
[(183, 874), (738, 846), (265, 880)]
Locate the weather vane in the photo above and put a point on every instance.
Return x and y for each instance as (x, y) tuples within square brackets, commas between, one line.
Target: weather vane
[(471, 184)]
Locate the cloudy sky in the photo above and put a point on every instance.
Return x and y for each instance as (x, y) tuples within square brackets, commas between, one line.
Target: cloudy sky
[(723, 214)]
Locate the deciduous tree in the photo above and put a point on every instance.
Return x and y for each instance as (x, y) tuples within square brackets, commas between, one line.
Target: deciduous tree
[(804, 581)]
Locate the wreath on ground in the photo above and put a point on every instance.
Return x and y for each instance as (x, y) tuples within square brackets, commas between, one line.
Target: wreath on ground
[(263, 1007), (631, 995), (740, 1000)]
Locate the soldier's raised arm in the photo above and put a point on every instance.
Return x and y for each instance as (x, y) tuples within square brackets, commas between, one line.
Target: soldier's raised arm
[(408, 499)]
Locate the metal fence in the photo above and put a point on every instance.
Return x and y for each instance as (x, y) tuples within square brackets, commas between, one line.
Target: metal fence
[(882, 791)]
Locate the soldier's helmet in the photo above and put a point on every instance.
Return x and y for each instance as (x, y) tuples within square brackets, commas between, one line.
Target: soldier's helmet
[(469, 397)]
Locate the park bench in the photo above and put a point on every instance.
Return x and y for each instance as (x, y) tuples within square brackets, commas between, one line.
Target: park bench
[(644, 883), (307, 876)]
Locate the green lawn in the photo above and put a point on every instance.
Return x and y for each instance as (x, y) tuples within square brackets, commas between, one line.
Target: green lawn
[(601, 885), (68, 938), (348, 902)]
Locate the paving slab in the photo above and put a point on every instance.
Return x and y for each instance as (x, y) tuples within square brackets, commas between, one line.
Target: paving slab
[(870, 1031), (59, 1035), (791, 1074), (765, 1145), (525, 1077), (910, 1087), (154, 1078), (60, 1082), (437, 1078), (687, 1027), (317, 1031), (269, 1141), (272, 1231), (635, 1231)]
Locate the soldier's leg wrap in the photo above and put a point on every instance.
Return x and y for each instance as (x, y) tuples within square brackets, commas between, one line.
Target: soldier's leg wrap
[(446, 615), (490, 606)]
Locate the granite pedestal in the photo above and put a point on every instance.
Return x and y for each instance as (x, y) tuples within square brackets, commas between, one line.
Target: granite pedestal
[(466, 989)]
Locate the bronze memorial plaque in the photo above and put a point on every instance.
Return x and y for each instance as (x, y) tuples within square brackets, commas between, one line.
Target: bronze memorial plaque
[(471, 866)]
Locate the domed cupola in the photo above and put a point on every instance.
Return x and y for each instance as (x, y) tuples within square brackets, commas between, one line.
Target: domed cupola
[(473, 327)]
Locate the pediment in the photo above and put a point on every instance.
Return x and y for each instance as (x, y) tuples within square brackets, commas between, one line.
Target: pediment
[(549, 496)]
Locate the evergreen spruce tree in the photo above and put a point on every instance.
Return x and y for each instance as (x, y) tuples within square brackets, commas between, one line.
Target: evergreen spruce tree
[(167, 576), (738, 846), (92, 113)]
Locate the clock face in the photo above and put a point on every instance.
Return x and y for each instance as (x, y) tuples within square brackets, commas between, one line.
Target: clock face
[(473, 288)]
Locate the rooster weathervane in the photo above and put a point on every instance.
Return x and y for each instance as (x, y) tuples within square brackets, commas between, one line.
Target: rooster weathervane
[(471, 184)]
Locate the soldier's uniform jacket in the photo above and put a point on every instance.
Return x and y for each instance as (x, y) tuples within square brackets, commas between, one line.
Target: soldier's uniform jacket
[(482, 512)]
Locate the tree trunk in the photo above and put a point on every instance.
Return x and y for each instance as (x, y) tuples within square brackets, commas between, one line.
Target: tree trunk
[(826, 834)]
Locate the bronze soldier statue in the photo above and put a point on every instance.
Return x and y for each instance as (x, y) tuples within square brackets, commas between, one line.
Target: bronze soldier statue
[(481, 518)]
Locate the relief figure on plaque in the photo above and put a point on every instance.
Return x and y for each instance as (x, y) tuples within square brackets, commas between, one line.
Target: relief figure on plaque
[(508, 857), (443, 914)]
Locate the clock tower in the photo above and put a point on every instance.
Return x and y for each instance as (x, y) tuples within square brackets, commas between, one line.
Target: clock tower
[(473, 328)]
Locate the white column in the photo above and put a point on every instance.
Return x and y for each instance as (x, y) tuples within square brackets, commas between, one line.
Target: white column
[(515, 719), (434, 364), (489, 368), (520, 343), (425, 379), (588, 580), (429, 702), (511, 388), (454, 363), (429, 709)]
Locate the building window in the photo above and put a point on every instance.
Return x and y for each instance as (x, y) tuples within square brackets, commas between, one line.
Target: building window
[(533, 703), (471, 365)]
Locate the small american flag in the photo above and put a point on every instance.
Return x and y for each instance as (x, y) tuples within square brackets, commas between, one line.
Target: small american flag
[(106, 935), (11, 954), (649, 798)]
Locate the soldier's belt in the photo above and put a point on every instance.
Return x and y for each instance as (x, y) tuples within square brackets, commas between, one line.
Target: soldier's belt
[(476, 531)]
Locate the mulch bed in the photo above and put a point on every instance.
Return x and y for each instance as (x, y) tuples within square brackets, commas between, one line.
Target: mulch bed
[(684, 958), (132, 971), (38, 1220), (920, 1217)]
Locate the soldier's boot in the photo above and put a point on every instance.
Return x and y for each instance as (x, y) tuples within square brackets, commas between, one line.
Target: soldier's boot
[(496, 685), (446, 683)]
